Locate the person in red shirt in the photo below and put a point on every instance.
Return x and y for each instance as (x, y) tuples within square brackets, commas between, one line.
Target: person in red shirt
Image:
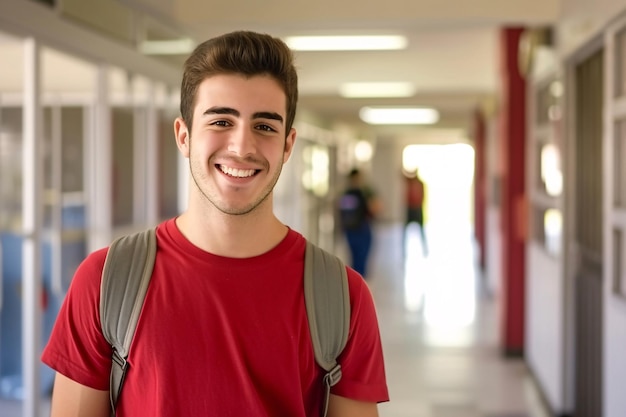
[(223, 330), (415, 192)]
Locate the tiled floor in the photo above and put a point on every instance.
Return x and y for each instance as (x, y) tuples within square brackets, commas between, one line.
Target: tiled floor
[(439, 330)]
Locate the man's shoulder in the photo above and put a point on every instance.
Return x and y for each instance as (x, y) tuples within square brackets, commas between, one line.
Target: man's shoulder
[(294, 242), (94, 261)]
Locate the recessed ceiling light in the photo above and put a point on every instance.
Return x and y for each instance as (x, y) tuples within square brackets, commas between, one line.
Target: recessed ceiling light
[(346, 43), (399, 115), (377, 89), (182, 46)]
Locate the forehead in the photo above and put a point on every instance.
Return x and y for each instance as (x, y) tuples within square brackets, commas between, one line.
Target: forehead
[(259, 92)]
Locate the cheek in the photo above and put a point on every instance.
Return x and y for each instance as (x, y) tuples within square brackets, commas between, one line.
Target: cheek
[(198, 148), (274, 158)]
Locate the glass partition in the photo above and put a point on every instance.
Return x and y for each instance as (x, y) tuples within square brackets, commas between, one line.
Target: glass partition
[(546, 224)]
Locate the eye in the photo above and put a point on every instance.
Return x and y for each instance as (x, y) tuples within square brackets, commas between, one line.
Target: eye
[(266, 128), (222, 123)]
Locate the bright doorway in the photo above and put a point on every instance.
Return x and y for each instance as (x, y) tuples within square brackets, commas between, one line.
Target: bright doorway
[(448, 172)]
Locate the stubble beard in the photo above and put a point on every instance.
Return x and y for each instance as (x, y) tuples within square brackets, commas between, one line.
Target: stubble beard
[(199, 177)]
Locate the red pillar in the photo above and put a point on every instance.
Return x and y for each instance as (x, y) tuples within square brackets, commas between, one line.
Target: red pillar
[(480, 185), (513, 204)]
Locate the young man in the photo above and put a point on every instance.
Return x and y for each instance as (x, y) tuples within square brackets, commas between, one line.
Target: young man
[(223, 330)]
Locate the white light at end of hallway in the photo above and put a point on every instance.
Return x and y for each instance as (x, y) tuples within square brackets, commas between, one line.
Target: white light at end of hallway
[(346, 43), (399, 115), (377, 89)]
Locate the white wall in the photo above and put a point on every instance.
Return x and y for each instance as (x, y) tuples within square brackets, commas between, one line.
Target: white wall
[(544, 318), (614, 359)]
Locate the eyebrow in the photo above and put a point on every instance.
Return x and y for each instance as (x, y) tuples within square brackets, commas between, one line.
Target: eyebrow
[(221, 110), (234, 112), (268, 115)]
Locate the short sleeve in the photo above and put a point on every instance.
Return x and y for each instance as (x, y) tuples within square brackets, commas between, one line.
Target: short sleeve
[(362, 360)]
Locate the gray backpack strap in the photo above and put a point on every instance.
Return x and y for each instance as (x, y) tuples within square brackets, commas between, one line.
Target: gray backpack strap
[(328, 309), (125, 278)]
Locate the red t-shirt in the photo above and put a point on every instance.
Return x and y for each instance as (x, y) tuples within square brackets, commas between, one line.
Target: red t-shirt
[(217, 336), (414, 192)]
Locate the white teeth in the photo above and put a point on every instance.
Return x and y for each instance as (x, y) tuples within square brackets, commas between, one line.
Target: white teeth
[(234, 172)]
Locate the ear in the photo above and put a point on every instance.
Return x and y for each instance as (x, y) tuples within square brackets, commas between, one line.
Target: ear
[(182, 136), (290, 140)]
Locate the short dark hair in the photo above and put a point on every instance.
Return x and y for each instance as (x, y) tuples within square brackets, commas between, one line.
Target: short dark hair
[(240, 52)]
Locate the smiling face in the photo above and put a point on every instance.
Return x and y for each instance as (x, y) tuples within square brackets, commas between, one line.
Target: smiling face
[(237, 144)]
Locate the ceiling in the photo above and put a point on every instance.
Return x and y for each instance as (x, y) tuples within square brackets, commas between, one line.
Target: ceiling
[(451, 58)]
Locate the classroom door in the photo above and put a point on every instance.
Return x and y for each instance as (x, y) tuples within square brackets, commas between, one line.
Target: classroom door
[(588, 236)]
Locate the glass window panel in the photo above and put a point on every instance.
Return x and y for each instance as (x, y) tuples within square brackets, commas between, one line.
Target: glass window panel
[(538, 231), (551, 175), (619, 164), (547, 99), (123, 165), (72, 125), (553, 230), (48, 174), (544, 100), (619, 275), (168, 167), (620, 63), (11, 145), (547, 228), (547, 159), (538, 145)]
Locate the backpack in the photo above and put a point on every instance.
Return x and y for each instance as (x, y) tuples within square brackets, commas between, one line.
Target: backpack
[(126, 276), (353, 210)]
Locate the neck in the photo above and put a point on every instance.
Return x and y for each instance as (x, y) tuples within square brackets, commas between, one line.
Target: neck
[(235, 236)]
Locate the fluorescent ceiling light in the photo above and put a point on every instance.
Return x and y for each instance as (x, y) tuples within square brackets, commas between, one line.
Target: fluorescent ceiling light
[(382, 89), (346, 43), (399, 115), (182, 46)]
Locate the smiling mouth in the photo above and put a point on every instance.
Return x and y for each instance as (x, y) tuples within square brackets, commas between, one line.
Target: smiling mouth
[(237, 173)]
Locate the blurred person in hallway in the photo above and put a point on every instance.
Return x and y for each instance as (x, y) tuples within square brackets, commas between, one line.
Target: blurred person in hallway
[(358, 208), (223, 329), (414, 196)]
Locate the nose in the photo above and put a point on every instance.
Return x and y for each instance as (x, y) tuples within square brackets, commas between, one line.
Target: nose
[(242, 141)]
